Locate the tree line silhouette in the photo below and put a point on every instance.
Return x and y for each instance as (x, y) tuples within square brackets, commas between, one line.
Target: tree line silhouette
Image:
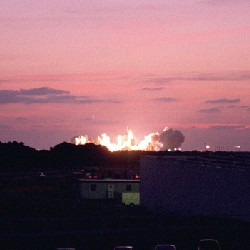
[(15, 156)]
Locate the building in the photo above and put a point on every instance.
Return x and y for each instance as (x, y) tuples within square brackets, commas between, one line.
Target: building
[(103, 189), (196, 185)]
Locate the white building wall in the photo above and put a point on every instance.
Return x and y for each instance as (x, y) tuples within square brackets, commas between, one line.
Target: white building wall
[(102, 189), (100, 192), (176, 186)]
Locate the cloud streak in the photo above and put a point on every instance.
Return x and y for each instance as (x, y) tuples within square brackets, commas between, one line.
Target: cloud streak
[(223, 101), (45, 95), (166, 99), (43, 91), (152, 89), (201, 77), (210, 110), (231, 76), (228, 127)]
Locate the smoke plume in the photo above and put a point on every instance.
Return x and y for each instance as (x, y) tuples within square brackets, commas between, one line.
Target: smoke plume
[(169, 139)]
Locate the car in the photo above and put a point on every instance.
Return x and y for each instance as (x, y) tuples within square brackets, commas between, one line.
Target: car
[(208, 244), (165, 247), (123, 248)]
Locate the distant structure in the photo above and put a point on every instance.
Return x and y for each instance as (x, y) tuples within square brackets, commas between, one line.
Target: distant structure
[(203, 184), (207, 147)]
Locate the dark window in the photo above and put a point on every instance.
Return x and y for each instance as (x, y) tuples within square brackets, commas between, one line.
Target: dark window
[(128, 188), (93, 187)]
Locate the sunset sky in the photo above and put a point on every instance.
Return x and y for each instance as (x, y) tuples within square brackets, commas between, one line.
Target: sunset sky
[(82, 67)]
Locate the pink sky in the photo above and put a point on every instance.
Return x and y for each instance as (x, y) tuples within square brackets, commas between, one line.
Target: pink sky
[(77, 67)]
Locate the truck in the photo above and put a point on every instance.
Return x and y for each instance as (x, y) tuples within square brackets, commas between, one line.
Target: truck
[(131, 198)]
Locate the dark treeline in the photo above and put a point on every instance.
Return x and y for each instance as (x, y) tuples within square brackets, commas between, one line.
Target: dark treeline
[(16, 157)]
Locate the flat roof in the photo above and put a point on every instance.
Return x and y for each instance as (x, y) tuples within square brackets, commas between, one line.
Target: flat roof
[(110, 180)]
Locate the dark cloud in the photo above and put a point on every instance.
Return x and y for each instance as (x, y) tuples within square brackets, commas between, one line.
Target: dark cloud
[(152, 89), (210, 110), (46, 95), (9, 96), (43, 91), (223, 101), (166, 99)]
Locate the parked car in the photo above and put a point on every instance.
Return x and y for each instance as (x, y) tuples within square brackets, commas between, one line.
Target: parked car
[(208, 244), (165, 247), (123, 248)]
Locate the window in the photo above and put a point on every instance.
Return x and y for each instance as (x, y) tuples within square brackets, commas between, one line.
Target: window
[(93, 187), (129, 188)]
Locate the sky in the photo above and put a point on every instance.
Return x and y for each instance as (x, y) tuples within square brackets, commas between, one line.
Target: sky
[(89, 67)]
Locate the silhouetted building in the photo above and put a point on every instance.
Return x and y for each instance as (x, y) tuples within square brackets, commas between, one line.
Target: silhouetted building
[(196, 185)]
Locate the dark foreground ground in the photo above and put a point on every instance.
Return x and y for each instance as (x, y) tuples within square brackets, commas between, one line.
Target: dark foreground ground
[(44, 214)]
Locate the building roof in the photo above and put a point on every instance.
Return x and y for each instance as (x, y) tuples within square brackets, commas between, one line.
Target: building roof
[(109, 180), (239, 161)]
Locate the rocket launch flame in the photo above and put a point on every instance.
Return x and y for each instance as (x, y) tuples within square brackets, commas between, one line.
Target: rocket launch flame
[(168, 139)]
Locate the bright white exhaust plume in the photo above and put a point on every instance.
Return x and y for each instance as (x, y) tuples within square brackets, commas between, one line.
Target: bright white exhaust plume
[(168, 139)]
